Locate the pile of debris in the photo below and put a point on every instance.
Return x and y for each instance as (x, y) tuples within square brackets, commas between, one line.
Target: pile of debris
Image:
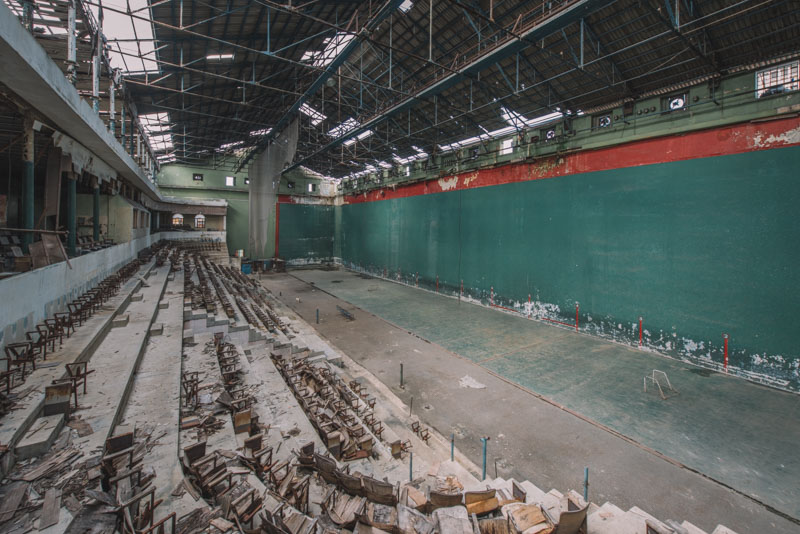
[(344, 420)]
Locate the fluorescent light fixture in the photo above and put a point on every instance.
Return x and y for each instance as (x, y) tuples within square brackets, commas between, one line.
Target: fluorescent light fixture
[(360, 137), (315, 116), (406, 6), (219, 57), (385, 165), (261, 132), (344, 127)]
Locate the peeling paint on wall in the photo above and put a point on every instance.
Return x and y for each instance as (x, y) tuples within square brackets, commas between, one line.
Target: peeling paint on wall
[(789, 137), (448, 183)]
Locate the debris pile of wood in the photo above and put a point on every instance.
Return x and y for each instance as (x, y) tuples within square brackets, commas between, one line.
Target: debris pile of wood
[(337, 413)]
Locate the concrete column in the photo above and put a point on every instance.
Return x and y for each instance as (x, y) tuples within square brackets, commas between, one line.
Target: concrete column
[(122, 125), (27, 15), (96, 78), (27, 171), (72, 213), (72, 45), (112, 106), (96, 211)]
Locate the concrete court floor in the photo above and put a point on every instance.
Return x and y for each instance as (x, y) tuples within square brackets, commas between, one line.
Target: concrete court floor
[(599, 380)]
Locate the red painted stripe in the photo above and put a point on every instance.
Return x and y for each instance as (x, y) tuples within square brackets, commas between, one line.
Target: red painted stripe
[(277, 226), (739, 138)]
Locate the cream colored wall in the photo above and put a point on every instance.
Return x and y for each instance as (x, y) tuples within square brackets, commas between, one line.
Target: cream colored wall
[(120, 217)]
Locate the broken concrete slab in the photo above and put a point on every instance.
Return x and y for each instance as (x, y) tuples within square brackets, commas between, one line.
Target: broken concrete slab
[(40, 437)]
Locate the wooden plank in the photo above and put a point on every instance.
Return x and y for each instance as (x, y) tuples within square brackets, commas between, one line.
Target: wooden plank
[(47, 467), (51, 508), (222, 524), (11, 500)]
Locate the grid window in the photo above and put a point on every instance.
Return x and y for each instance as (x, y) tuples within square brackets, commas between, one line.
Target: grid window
[(199, 221), (177, 220), (230, 181), (777, 80), (507, 147)]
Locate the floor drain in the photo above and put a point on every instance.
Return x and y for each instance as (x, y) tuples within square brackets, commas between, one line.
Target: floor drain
[(428, 407)]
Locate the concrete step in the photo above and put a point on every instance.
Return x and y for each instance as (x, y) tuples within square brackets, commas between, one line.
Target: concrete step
[(78, 347), (638, 517), (610, 519), (534, 494), (692, 529), (39, 437), (552, 503)]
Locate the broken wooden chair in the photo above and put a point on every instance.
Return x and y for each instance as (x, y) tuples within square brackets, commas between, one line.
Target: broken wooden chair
[(20, 355), (190, 383), (278, 472), (40, 339), (424, 435), (138, 517), (438, 499), (377, 429), (246, 507), (77, 374), (326, 468), (67, 324), (55, 330)]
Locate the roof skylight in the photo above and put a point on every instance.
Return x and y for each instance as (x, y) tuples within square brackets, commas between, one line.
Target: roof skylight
[(131, 43), (406, 6), (333, 47), (519, 121), (341, 129), (261, 132), (315, 116), (360, 137), (156, 128)]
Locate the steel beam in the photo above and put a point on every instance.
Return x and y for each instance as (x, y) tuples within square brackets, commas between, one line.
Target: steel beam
[(489, 56), (382, 14)]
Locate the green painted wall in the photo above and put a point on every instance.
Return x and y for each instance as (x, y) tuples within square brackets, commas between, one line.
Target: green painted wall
[(698, 248), (176, 180), (306, 232)]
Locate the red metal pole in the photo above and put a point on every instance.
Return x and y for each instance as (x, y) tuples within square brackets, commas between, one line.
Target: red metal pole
[(640, 330), (277, 226), (725, 337), (577, 307)]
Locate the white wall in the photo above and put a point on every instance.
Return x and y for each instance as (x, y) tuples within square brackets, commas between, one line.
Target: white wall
[(28, 298)]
